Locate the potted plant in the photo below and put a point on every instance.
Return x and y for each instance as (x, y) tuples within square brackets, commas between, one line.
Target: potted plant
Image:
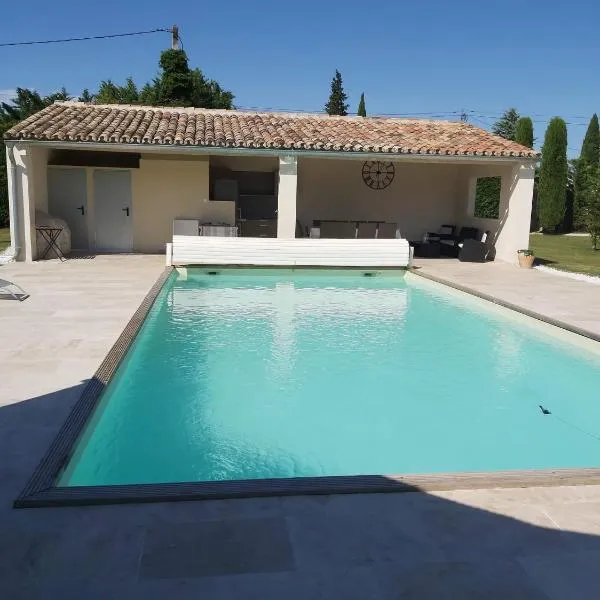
[(526, 258)]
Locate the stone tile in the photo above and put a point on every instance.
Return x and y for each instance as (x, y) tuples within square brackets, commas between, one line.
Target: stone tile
[(503, 499), (494, 580), (216, 548), (567, 576), (580, 523), (583, 517), (574, 302), (326, 584), (88, 554), (356, 539), (471, 534), (343, 546), (217, 510)]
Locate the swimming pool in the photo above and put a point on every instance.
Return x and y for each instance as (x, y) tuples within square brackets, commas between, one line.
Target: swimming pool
[(255, 374)]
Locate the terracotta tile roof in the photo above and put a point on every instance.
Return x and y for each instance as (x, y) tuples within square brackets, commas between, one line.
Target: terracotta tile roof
[(125, 124)]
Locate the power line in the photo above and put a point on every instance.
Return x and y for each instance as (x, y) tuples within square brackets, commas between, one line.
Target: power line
[(87, 37), (475, 115)]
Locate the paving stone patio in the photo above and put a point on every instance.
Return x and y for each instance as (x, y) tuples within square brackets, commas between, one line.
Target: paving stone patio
[(576, 303), (533, 543)]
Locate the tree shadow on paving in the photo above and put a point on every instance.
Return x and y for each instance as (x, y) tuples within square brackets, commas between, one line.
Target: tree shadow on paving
[(503, 544)]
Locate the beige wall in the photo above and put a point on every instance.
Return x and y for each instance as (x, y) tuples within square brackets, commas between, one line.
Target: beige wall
[(510, 232), (164, 190), (467, 180), (421, 197), (39, 166)]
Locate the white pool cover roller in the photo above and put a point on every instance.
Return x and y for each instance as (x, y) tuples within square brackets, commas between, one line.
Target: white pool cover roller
[(301, 252)]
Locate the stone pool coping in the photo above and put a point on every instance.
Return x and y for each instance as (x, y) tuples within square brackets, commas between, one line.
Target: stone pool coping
[(506, 304), (40, 490)]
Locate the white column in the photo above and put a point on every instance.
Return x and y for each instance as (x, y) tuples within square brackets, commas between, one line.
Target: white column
[(515, 212), (286, 199), (14, 214), (26, 200), (21, 202)]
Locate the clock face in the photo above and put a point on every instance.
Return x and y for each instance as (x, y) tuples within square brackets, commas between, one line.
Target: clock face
[(378, 175)]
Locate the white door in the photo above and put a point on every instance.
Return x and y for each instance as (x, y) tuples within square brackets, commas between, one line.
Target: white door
[(67, 200), (112, 211)]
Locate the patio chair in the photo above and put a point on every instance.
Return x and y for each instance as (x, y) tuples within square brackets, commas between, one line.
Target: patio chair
[(8, 288), (338, 229), (445, 232), (474, 250), (367, 230), (451, 245), (387, 231)]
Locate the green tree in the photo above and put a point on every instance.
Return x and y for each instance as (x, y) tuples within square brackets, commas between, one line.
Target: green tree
[(61, 96), (524, 132), (207, 93), (505, 127), (590, 201), (175, 85), (113, 93), (108, 93), (25, 103), (86, 96), (148, 95), (337, 104), (129, 92), (362, 109), (553, 176), (589, 158)]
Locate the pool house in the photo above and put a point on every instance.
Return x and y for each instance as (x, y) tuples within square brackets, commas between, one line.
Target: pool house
[(301, 188)]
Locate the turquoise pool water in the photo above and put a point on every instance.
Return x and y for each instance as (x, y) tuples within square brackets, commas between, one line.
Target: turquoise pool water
[(244, 375)]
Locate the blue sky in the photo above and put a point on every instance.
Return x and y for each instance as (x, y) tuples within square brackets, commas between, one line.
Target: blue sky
[(426, 56)]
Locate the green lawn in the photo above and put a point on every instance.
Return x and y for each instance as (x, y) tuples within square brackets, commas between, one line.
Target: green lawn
[(4, 238), (566, 252)]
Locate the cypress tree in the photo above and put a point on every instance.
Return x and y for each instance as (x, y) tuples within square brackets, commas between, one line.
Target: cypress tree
[(588, 159), (524, 132), (337, 98), (362, 110), (590, 149), (553, 175)]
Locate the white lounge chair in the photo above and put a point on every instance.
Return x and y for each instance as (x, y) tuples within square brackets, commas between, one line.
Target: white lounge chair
[(8, 288)]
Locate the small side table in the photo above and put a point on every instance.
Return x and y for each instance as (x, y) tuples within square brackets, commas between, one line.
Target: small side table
[(50, 234)]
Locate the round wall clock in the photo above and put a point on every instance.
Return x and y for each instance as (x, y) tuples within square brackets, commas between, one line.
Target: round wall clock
[(377, 174)]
